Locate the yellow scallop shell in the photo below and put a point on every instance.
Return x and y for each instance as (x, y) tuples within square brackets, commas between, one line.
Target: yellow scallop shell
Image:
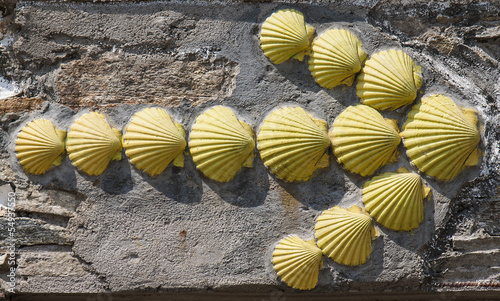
[(285, 35), (396, 199), (346, 235), (297, 262), (220, 144), (441, 139), (336, 58), (40, 145), (293, 144), (152, 140), (389, 80), (363, 140), (92, 143)]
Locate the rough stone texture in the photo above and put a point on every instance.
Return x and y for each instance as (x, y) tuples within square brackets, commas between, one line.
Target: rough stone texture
[(18, 104), (33, 231), (56, 202), (55, 269), (180, 233), (166, 80), (478, 255)]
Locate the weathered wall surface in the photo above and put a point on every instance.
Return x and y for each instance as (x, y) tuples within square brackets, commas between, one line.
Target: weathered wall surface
[(127, 232)]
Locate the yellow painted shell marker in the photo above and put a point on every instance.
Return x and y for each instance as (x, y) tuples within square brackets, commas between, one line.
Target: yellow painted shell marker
[(40, 145), (92, 143), (336, 57), (293, 144), (220, 144), (346, 235), (441, 138), (396, 199), (390, 79), (285, 35), (297, 262), (152, 140)]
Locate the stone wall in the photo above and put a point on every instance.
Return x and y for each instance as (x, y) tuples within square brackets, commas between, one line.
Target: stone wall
[(125, 234)]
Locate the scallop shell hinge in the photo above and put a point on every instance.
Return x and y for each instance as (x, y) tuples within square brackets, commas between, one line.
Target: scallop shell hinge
[(441, 139), (293, 144), (40, 145), (395, 200), (92, 143), (152, 140), (336, 58), (297, 262), (390, 79), (363, 140), (285, 35), (220, 144), (346, 235)]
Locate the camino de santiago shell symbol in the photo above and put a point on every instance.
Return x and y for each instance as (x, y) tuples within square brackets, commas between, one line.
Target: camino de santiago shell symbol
[(389, 80), (40, 145), (92, 143), (346, 235), (297, 262), (336, 58), (363, 140), (220, 144), (152, 140), (293, 144), (396, 199), (285, 35), (441, 139)]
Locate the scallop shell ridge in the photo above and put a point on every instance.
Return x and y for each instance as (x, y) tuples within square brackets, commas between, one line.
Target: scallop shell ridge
[(336, 58), (345, 235), (297, 262), (92, 143), (152, 140), (363, 140), (441, 139), (220, 144), (40, 145), (285, 35), (395, 200), (390, 79), (293, 144)]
